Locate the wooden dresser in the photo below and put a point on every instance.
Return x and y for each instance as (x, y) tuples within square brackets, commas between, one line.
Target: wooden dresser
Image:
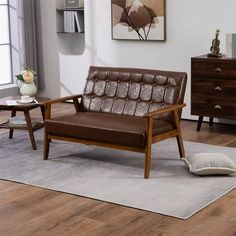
[(213, 88)]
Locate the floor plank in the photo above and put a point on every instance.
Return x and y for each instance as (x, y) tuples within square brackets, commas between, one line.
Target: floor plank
[(28, 210)]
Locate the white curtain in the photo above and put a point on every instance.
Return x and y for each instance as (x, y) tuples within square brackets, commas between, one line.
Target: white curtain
[(27, 38)]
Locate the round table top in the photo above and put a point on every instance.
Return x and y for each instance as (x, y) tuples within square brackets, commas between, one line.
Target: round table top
[(10, 102)]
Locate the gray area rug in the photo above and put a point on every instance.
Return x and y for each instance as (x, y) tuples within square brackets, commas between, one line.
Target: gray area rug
[(116, 176)]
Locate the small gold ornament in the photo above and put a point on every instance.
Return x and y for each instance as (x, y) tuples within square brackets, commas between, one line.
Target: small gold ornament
[(215, 46)]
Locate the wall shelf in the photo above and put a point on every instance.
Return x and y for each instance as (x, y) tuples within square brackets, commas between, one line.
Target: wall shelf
[(70, 20), (70, 30)]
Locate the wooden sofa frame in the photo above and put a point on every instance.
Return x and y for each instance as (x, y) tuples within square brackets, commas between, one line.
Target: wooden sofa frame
[(175, 110)]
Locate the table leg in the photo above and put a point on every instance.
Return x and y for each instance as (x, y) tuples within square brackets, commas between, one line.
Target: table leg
[(13, 114), (43, 111), (30, 129), (199, 123)]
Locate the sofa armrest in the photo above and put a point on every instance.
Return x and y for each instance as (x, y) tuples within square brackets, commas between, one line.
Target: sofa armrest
[(48, 103), (62, 99), (156, 113), (151, 115)]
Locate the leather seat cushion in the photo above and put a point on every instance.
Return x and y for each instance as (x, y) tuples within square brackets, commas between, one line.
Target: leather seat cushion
[(103, 127)]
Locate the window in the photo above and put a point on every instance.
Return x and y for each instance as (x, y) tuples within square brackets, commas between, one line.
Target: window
[(5, 44)]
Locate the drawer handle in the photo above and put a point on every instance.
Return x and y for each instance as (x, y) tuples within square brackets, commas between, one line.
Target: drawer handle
[(218, 69), (218, 88), (217, 107)]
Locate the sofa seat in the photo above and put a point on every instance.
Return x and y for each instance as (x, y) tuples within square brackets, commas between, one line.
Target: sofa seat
[(104, 127)]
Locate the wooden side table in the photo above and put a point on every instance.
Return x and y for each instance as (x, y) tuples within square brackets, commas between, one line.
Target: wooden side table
[(25, 108)]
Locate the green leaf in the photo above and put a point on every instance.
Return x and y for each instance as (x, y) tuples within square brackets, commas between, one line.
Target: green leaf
[(20, 77)]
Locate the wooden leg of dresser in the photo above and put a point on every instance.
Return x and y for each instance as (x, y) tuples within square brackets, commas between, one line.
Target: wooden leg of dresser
[(199, 123), (211, 121)]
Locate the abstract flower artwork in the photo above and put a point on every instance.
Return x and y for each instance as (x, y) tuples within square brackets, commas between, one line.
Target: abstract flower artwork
[(138, 19)]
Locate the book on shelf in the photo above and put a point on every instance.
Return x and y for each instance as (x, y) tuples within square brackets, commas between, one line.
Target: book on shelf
[(17, 120), (69, 22), (79, 19), (73, 21)]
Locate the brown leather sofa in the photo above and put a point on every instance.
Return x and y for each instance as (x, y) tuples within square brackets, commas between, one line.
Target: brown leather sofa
[(122, 108)]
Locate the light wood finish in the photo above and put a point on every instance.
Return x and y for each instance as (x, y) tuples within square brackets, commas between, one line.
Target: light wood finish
[(27, 210)]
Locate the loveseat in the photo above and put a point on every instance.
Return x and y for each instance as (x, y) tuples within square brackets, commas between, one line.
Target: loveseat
[(122, 108)]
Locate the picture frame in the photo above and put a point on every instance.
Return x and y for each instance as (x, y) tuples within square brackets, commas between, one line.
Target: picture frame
[(143, 20)]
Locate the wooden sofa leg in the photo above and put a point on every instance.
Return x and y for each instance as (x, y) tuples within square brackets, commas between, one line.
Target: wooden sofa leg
[(179, 135), (147, 162), (180, 145), (46, 146)]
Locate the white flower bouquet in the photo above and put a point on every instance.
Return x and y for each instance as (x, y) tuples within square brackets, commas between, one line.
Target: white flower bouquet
[(26, 75)]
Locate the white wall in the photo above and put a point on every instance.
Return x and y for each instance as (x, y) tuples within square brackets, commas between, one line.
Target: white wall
[(49, 70), (190, 26)]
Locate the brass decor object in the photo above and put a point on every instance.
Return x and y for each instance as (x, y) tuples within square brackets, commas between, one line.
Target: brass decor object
[(215, 46)]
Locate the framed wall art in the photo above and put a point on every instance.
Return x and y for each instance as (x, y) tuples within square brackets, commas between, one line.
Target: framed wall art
[(138, 19)]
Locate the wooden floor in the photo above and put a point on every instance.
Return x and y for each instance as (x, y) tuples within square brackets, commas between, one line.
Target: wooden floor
[(27, 210)]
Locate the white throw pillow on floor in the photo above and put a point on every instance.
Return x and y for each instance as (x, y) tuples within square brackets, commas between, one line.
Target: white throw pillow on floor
[(210, 164)]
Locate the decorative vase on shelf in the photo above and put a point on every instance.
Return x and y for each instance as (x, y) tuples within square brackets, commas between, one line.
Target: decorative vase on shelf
[(28, 89)]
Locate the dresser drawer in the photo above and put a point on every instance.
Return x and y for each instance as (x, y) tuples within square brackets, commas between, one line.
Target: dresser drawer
[(213, 109), (219, 89), (213, 69)]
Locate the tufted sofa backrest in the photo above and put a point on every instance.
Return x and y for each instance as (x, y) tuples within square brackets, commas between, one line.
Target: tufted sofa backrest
[(132, 91)]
